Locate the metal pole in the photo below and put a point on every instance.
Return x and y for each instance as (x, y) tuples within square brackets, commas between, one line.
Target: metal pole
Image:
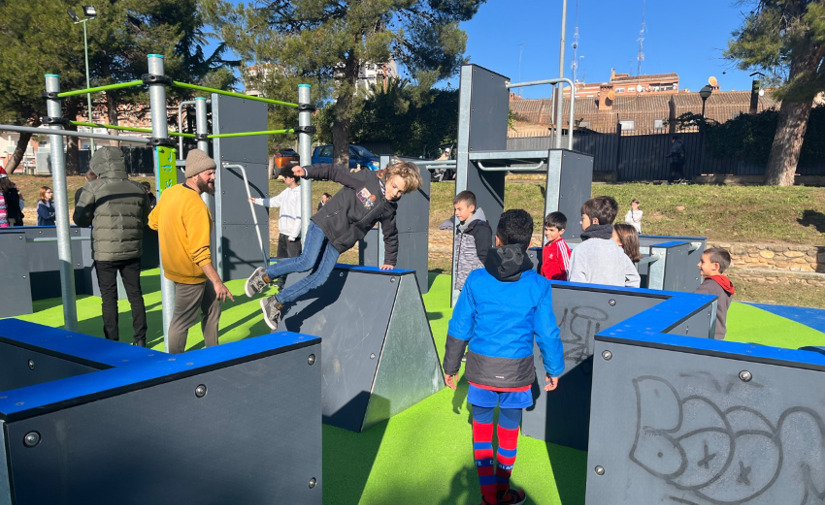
[(61, 209), (559, 98), (201, 129), (201, 122), (157, 105), (305, 153), (88, 84), (65, 133)]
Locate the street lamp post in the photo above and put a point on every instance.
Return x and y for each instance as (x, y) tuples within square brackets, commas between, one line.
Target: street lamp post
[(705, 94), (90, 13)]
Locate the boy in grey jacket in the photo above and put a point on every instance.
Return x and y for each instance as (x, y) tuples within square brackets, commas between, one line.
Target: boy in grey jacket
[(599, 260), (473, 237)]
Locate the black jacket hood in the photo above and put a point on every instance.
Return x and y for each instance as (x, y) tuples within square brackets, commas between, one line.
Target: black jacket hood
[(506, 263)]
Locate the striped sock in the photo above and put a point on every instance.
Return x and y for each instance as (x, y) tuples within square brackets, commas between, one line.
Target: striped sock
[(483, 454), (506, 456)]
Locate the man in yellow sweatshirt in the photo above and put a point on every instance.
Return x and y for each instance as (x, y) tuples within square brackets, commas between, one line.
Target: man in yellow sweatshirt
[(184, 226)]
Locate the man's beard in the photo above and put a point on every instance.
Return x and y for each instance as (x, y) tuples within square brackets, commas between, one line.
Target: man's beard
[(205, 187)]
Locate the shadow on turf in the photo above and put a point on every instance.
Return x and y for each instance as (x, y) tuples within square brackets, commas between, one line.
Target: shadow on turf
[(348, 458)]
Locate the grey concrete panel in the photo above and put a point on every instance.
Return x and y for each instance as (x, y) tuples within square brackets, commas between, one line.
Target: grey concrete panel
[(236, 115), (574, 188), (489, 110), (23, 366), (724, 423), (241, 443), (352, 312), (694, 255), (414, 208), (581, 312), (240, 250), (43, 262), (413, 250), (408, 368), (15, 272), (5, 481), (232, 214), (234, 206)]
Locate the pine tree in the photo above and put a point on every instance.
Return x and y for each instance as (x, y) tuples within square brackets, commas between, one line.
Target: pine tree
[(785, 38), (327, 43)]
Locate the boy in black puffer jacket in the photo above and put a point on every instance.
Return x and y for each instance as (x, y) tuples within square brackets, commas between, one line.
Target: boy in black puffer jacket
[(366, 198)]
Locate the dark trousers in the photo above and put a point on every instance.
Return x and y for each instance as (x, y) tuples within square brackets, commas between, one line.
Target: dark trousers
[(677, 171), (107, 281), (286, 249)]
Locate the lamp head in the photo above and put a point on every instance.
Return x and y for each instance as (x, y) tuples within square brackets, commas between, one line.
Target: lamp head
[(73, 15), (705, 92), (89, 11)]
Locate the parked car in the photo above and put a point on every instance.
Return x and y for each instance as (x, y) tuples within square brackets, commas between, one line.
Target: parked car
[(286, 158), (358, 156)]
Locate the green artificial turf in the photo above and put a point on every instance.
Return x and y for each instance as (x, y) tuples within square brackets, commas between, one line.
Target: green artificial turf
[(424, 454)]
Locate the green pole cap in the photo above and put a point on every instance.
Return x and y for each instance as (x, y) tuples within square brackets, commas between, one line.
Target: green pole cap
[(52, 75), (304, 86), (155, 56)]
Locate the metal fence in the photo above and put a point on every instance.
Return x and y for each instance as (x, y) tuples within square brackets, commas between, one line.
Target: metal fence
[(642, 156)]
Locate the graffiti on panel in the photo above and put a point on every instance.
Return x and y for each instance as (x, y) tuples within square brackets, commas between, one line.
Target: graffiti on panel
[(729, 454), (578, 326)]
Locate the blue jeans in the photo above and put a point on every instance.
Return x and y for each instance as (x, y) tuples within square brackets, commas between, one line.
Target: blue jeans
[(315, 245)]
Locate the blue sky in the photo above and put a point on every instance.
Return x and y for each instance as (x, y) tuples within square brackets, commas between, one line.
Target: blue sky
[(685, 37)]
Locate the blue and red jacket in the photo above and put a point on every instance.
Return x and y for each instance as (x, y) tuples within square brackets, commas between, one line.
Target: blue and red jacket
[(502, 309)]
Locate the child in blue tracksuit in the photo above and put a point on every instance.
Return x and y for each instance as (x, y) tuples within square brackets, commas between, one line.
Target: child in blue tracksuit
[(501, 310)]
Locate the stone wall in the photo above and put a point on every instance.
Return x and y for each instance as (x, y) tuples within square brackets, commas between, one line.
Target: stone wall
[(783, 257)]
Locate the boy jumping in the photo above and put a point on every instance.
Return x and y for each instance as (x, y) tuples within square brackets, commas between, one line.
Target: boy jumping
[(499, 311), (366, 198)]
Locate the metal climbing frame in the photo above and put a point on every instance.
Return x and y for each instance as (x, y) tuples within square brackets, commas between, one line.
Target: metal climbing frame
[(483, 158)]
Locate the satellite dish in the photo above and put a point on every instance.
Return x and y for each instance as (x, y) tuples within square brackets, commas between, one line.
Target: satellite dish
[(761, 92), (611, 95), (638, 88), (712, 81)]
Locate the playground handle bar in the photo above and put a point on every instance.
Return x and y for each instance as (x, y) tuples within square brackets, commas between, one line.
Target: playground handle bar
[(248, 134), (127, 128), (232, 93), (100, 88)]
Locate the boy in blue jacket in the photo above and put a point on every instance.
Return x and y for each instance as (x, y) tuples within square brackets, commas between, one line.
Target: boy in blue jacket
[(500, 311)]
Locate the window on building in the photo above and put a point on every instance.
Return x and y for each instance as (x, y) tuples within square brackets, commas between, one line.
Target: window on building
[(628, 124), (658, 124), (619, 90)]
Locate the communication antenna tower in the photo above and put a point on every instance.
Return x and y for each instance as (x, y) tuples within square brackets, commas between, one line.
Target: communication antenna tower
[(641, 56)]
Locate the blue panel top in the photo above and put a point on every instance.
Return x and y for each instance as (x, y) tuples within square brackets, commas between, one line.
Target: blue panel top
[(671, 237), (672, 243), (648, 328), (122, 366), (361, 268)]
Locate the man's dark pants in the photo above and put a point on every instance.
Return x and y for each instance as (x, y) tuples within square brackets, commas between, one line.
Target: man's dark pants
[(107, 281), (286, 249)]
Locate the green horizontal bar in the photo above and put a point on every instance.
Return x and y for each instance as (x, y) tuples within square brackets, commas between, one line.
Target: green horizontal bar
[(127, 128), (248, 134), (100, 88), (232, 93)]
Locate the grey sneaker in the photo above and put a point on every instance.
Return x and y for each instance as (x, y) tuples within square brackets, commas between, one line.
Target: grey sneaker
[(256, 282), (272, 312)]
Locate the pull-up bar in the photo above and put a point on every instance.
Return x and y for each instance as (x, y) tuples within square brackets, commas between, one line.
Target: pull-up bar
[(127, 128), (248, 134), (232, 93), (107, 87)]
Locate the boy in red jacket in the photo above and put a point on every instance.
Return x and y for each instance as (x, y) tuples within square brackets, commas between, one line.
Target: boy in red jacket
[(555, 255), (712, 267)]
